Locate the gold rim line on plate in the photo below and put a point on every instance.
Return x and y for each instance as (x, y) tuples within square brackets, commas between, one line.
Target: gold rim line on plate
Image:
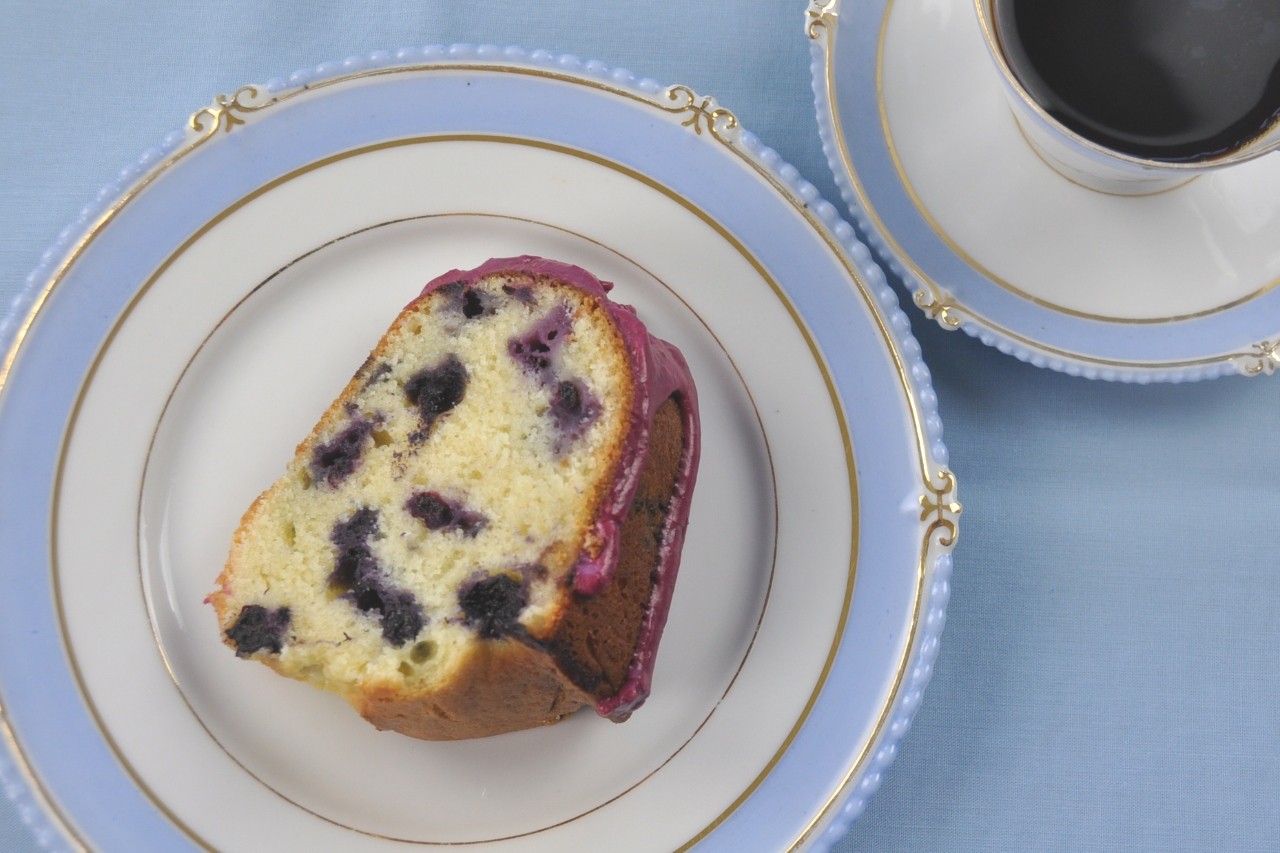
[(929, 469), (703, 112), (746, 653), (222, 113), (465, 138), (9, 741), (672, 195), (934, 299), (939, 482)]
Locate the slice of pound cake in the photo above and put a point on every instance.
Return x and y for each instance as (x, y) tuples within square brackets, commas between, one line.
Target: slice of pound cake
[(483, 531)]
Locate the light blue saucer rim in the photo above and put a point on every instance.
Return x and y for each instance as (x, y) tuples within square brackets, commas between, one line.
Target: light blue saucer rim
[(1184, 351), (935, 593)]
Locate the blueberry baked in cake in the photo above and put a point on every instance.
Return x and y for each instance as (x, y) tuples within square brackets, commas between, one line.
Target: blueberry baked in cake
[(483, 531)]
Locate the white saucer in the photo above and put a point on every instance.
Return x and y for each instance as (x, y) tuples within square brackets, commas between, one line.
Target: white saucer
[(1174, 286)]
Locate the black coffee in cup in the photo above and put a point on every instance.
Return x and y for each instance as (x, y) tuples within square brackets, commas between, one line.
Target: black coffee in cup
[(1172, 80)]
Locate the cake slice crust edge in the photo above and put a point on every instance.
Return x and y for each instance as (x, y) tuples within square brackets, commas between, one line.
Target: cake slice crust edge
[(536, 676)]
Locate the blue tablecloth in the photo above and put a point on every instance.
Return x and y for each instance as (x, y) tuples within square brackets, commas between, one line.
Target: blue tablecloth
[(1108, 675)]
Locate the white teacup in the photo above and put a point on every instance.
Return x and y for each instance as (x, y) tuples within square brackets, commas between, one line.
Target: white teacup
[(1107, 166)]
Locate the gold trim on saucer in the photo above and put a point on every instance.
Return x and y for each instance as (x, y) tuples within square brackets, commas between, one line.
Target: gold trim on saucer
[(1044, 157), (938, 305), (950, 242), (1266, 358), (937, 302)]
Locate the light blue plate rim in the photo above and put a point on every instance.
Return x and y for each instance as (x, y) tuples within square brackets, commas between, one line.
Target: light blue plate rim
[(103, 803)]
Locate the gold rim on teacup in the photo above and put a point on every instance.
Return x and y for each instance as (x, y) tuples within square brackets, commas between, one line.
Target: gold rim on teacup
[(1090, 164)]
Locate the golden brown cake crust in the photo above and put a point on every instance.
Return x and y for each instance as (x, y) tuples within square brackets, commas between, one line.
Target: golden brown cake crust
[(580, 648), (596, 636), (511, 684), (504, 686)]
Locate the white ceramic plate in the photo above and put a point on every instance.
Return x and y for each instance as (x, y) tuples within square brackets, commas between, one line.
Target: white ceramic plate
[(170, 354), (1175, 286)]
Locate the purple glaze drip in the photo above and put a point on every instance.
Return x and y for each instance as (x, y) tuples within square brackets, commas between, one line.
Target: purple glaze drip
[(660, 373)]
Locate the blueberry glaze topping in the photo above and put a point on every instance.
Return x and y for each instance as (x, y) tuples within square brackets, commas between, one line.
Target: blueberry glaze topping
[(336, 459), (259, 629), (451, 289), (492, 604), (439, 513), (435, 390), (362, 581), (667, 375)]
